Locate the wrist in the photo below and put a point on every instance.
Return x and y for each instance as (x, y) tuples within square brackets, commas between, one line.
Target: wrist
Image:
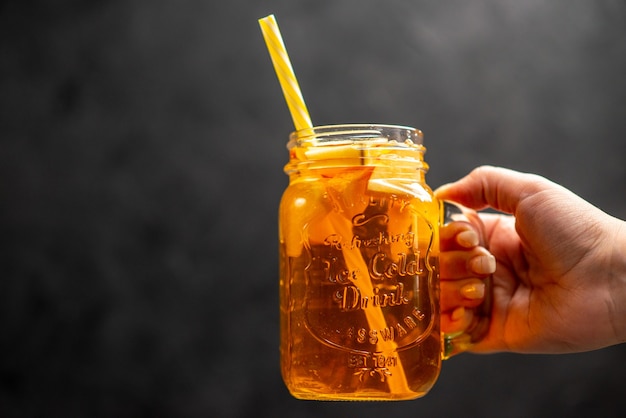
[(617, 282)]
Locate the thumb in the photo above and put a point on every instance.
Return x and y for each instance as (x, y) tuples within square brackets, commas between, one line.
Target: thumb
[(494, 187)]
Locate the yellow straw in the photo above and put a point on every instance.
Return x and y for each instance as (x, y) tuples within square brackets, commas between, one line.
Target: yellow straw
[(302, 120), (284, 71)]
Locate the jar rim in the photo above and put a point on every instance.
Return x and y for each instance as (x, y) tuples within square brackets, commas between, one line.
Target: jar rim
[(355, 132)]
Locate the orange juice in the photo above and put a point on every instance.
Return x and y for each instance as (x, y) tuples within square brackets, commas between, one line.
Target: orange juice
[(359, 282)]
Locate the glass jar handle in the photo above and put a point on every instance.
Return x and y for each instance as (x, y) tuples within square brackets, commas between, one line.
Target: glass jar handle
[(455, 343)]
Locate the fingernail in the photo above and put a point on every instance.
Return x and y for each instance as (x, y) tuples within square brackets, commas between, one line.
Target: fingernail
[(473, 291), (458, 313), (483, 264), (467, 239)]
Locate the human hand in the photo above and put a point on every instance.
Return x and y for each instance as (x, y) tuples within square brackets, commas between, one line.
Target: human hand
[(465, 265), (560, 280)]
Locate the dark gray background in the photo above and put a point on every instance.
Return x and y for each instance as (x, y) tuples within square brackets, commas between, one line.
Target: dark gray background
[(141, 154)]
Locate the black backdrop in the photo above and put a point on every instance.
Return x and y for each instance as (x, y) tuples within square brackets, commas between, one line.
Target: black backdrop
[(141, 154)]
